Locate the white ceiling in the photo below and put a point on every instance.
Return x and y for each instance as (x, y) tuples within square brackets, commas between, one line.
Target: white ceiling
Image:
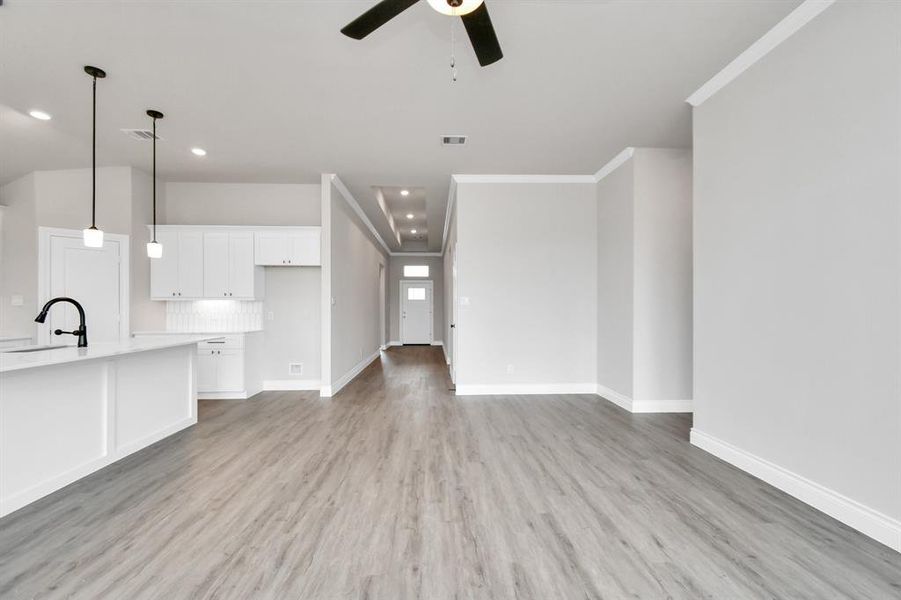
[(275, 93)]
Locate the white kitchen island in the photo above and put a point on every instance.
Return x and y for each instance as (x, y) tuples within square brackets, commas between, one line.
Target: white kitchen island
[(67, 412)]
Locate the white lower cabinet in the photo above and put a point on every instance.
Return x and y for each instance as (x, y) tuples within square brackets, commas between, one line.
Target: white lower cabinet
[(228, 367)]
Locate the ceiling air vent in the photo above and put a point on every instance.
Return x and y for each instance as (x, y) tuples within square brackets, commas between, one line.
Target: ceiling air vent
[(140, 134), (453, 140)]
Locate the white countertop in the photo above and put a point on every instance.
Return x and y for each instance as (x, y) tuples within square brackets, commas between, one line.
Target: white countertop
[(16, 361), (14, 338), (214, 333)]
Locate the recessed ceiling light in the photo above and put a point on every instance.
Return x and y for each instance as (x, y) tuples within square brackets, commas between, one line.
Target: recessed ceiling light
[(405, 192), (198, 151), (409, 215), (412, 231), (40, 115)]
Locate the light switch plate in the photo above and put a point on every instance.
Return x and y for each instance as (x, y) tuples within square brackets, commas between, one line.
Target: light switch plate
[(16, 300)]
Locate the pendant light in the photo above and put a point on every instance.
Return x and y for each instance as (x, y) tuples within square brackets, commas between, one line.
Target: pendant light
[(93, 237), (154, 248)]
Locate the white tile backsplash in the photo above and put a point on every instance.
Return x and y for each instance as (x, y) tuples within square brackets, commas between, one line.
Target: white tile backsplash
[(214, 316)]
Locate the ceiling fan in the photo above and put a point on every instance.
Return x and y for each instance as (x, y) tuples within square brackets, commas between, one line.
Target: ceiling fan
[(474, 14)]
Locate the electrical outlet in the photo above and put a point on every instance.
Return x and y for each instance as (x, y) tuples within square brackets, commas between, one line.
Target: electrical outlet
[(510, 369), (270, 316), (295, 368)]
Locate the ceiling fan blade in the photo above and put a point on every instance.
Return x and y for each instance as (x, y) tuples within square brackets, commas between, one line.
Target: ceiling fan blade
[(375, 17), (481, 34)]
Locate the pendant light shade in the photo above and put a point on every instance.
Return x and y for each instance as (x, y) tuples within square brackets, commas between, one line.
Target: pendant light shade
[(93, 237), (154, 248)]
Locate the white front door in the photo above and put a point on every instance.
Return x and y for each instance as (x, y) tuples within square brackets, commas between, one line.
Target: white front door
[(92, 276), (416, 312)]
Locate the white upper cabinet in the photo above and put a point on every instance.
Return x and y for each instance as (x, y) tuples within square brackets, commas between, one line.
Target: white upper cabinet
[(204, 263), (228, 266), (178, 275), (288, 247)]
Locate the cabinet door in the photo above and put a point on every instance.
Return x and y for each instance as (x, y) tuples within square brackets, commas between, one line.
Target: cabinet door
[(215, 265), (164, 270), (207, 371), (271, 248), (190, 264), (241, 267), (231, 370), (303, 247)]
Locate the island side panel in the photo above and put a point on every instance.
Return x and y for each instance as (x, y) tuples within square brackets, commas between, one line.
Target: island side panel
[(154, 397), (59, 423), (53, 429)]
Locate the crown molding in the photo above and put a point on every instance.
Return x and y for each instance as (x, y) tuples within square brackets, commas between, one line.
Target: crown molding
[(615, 162), (448, 211), (352, 202), (523, 179), (787, 27)]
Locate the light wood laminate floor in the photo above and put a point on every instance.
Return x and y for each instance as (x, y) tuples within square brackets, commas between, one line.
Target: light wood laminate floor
[(396, 489)]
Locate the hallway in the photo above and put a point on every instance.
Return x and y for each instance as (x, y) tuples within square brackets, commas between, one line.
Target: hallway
[(397, 489)]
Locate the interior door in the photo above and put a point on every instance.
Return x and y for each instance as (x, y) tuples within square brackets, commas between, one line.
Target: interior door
[(240, 265), (90, 276), (416, 312), (190, 264)]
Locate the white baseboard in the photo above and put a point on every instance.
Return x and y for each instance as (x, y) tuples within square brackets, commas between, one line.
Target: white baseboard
[(328, 391), (524, 389), (438, 343), (662, 406), (446, 357), (644, 406), (864, 519), (222, 395), (48, 486), (290, 385), (615, 397)]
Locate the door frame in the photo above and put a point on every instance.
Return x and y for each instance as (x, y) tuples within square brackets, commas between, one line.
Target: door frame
[(44, 240), (400, 308)]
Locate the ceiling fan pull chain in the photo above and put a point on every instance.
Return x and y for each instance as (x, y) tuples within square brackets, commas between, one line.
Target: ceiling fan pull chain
[(453, 61)]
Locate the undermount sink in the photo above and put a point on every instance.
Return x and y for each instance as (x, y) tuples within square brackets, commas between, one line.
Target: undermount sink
[(33, 349)]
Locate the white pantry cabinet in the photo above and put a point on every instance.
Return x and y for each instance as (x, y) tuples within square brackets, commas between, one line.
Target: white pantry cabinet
[(178, 274), (228, 266), (287, 247)]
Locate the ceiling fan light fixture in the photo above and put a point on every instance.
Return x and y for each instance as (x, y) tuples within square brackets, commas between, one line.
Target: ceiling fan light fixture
[(455, 8)]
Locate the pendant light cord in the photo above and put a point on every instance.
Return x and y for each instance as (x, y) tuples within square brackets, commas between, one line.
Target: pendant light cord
[(154, 180), (94, 160)]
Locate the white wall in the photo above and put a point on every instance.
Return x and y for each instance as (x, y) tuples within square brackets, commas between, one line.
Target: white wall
[(527, 266), (19, 267), (244, 203), (350, 289), (615, 280), (644, 282), (798, 270), (291, 309), (450, 250), (63, 199), (396, 274)]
